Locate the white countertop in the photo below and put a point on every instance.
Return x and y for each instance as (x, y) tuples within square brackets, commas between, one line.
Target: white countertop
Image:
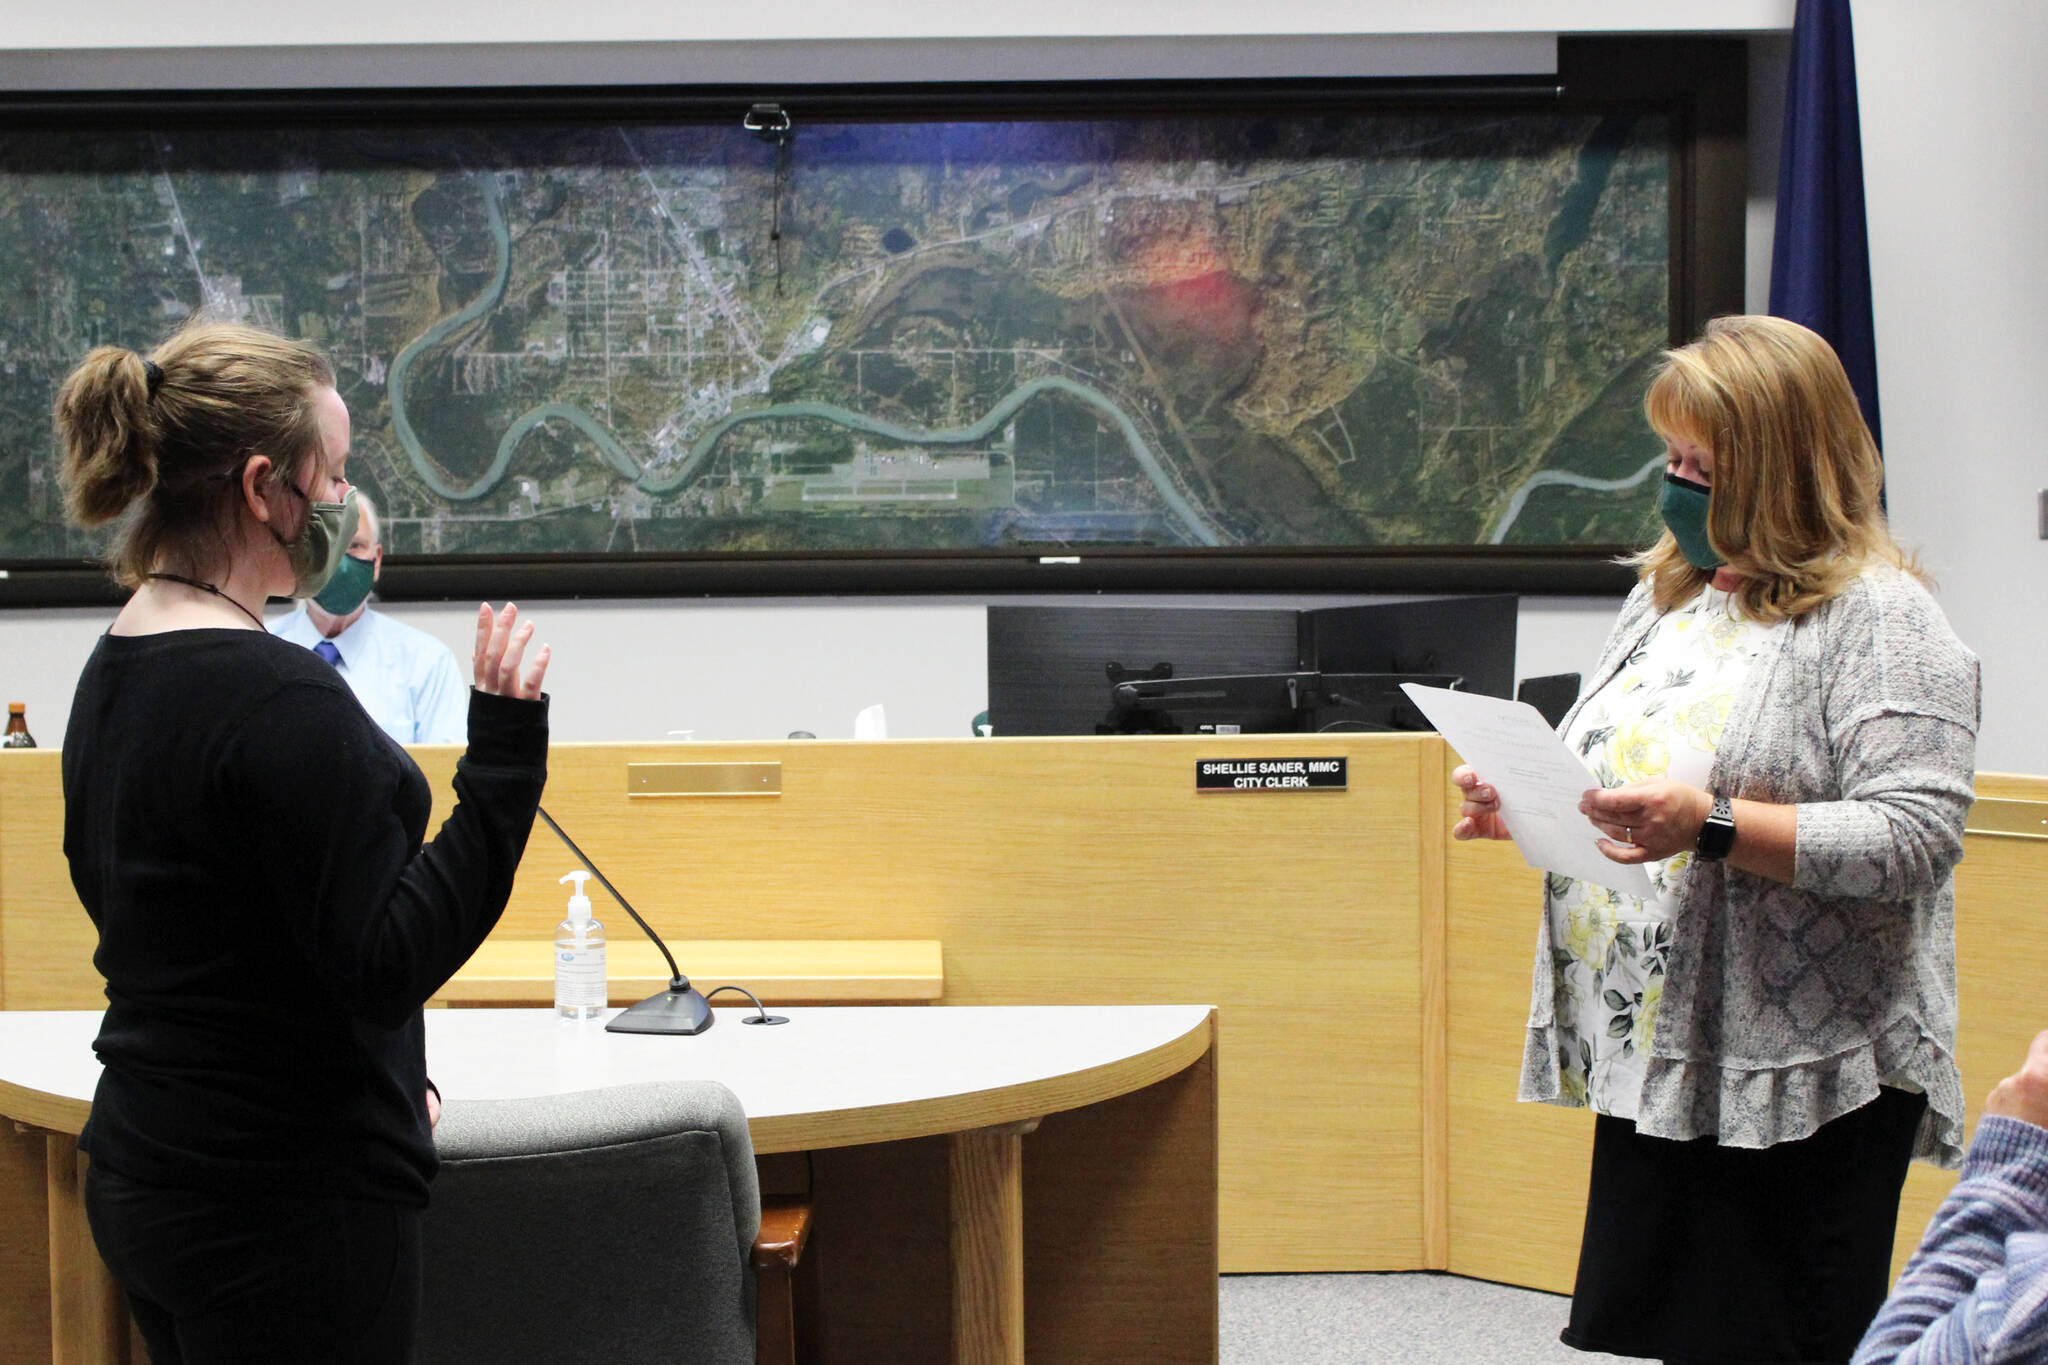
[(830, 1076)]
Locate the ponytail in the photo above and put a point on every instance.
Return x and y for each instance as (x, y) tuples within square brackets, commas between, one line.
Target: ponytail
[(111, 439)]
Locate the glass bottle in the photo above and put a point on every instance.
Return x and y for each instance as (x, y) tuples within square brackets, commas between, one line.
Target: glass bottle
[(18, 736)]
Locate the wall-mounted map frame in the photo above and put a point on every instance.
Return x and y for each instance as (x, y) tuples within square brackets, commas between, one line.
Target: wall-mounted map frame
[(1300, 336)]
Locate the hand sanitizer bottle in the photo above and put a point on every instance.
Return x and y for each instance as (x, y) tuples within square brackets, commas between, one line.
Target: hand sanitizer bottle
[(580, 988)]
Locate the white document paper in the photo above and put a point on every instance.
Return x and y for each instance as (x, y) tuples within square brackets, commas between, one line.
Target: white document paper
[(1539, 781)]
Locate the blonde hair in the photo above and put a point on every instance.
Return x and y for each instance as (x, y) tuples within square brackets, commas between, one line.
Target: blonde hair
[(1795, 505), (160, 454)]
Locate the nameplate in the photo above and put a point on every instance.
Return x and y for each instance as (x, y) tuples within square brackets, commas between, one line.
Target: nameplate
[(1269, 774), (2012, 819), (703, 779)]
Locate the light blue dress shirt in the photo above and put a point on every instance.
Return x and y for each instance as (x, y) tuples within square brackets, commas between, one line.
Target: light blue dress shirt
[(406, 679)]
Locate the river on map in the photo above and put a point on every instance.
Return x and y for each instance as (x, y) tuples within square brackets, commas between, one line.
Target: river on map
[(616, 457)]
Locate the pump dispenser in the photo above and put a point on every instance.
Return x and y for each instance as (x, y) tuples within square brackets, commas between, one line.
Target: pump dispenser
[(580, 986)]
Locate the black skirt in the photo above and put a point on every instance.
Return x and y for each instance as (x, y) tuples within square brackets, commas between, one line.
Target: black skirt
[(1700, 1254)]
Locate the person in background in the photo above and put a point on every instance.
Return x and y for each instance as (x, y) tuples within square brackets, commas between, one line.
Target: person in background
[(1976, 1292), (405, 678), (250, 847), (1783, 728)]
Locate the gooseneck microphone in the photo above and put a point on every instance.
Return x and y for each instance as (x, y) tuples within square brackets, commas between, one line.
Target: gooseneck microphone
[(681, 1008)]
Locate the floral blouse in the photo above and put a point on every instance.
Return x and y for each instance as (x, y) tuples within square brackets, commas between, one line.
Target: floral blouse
[(1660, 716)]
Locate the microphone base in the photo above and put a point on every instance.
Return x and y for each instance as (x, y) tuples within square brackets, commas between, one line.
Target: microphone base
[(683, 1012)]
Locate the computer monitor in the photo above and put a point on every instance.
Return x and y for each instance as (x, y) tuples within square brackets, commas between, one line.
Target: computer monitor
[(1471, 637), (1048, 666), (1306, 700), (1058, 670)]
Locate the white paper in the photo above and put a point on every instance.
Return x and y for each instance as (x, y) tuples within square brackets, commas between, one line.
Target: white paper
[(1539, 781)]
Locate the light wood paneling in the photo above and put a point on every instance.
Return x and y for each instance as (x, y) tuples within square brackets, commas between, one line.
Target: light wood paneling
[(1082, 870), (1120, 1227), (1435, 1060), (879, 1250), (1054, 871), (1120, 1231), (510, 971), (24, 1247), (1120, 1211), (1089, 871), (1517, 1171), (2001, 968), (48, 940), (86, 1306)]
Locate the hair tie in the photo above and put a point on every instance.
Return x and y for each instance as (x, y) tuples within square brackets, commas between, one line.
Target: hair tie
[(153, 375)]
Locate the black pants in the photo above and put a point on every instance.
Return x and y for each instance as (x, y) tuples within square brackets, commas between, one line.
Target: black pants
[(1702, 1254), (301, 1278)]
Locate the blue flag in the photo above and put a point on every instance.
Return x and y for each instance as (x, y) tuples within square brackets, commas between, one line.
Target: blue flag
[(1820, 257)]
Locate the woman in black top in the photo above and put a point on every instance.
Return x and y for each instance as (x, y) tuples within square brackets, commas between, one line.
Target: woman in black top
[(249, 844)]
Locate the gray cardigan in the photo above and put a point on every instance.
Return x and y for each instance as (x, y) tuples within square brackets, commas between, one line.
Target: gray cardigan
[(1786, 1006)]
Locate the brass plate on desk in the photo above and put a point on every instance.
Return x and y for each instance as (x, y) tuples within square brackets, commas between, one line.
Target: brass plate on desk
[(2013, 819), (703, 779)]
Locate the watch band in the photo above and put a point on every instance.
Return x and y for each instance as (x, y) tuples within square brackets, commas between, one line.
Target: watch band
[(1717, 835)]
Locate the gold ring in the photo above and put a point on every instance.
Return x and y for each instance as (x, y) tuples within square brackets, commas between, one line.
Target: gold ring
[(1630, 831)]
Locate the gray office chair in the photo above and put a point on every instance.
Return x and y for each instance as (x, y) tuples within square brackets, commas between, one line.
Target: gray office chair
[(604, 1226)]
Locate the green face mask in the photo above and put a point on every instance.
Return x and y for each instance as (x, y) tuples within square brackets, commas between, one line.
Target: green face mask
[(1683, 505), (320, 546), (351, 583)]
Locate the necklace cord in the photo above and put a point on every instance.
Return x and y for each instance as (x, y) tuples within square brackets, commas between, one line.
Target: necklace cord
[(208, 587)]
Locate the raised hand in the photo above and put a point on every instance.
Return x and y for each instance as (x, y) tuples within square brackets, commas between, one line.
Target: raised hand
[(501, 638)]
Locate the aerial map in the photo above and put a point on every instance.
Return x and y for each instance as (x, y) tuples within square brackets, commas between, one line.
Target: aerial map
[(1299, 331)]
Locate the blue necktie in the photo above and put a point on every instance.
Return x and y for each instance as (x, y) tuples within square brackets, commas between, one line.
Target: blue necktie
[(326, 650)]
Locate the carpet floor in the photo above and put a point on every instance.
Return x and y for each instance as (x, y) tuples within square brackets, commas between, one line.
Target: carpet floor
[(1414, 1318)]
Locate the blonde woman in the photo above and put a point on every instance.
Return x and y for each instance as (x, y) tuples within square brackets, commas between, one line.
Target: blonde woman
[(1784, 729), (251, 848)]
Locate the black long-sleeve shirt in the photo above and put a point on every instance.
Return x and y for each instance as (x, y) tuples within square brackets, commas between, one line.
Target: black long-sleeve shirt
[(249, 844)]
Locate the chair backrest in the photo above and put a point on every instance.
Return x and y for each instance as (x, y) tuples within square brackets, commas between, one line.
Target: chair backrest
[(609, 1225)]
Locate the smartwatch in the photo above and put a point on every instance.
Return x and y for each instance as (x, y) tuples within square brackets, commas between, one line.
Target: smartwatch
[(1717, 835)]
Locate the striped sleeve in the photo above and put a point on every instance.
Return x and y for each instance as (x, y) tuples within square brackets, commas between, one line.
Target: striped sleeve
[(1976, 1291)]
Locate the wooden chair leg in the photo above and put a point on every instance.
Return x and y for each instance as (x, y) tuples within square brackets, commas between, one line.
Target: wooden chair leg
[(774, 1317), (785, 1227), (810, 1307)]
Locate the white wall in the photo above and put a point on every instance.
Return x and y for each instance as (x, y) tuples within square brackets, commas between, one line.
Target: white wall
[(131, 24), (1954, 146), (745, 668), (138, 44), (1955, 137)]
